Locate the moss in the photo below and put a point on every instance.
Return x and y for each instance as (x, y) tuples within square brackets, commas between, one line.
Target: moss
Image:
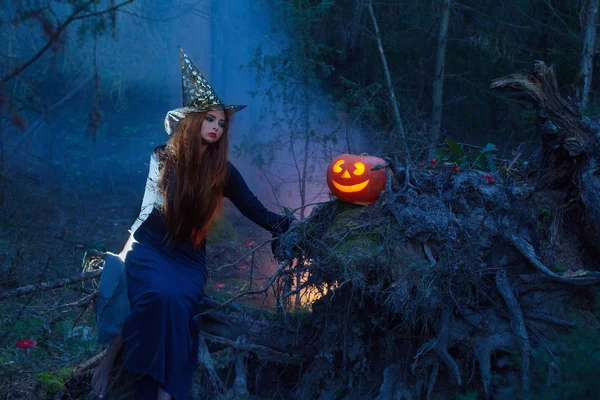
[(545, 215), (221, 230), (364, 244), (51, 382), (556, 267)]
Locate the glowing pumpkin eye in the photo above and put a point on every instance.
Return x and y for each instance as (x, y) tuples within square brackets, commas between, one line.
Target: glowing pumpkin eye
[(360, 168), (336, 166)]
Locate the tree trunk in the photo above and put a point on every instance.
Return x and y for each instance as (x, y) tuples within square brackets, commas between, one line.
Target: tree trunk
[(438, 83), (587, 55), (386, 71)]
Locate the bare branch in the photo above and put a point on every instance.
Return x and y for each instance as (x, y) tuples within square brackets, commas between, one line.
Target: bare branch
[(42, 287)]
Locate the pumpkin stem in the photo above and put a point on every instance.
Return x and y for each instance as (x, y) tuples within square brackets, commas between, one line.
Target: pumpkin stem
[(363, 154)]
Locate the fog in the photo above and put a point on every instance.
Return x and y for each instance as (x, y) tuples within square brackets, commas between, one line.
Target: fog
[(139, 80)]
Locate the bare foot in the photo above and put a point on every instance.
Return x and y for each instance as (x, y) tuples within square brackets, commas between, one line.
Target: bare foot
[(101, 378)]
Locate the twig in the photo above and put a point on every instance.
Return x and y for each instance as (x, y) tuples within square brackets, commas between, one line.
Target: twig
[(251, 292), (42, 287), (73, 17), (81, 368), (244, 256), (83, 301), (265, 352)]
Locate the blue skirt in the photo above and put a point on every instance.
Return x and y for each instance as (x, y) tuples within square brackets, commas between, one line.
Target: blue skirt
[(160, 335)]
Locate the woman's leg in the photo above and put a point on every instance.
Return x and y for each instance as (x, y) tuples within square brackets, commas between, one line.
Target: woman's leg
[(162, 395), (101, 378)]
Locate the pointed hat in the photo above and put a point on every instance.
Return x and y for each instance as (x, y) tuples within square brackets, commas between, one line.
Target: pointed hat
[(198, 95)]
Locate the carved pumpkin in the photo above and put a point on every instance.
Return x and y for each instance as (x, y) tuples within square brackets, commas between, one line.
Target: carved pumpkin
[(350, 178)]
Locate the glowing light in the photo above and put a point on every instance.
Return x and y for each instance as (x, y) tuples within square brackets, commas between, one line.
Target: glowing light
[(351, 188)]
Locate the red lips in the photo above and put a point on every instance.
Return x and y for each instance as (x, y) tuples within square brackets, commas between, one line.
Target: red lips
[(212, 134)]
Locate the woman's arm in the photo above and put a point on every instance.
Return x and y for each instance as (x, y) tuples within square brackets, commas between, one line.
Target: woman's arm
[(150, 193), (242, 197), (148, 201)]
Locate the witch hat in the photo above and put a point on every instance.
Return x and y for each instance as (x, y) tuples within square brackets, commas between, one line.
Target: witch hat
[(198, 95)]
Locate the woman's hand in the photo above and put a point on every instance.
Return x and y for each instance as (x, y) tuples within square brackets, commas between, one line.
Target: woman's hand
[(126, 248)]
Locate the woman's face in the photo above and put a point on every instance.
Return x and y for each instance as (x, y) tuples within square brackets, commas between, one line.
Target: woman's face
[(213, 125)]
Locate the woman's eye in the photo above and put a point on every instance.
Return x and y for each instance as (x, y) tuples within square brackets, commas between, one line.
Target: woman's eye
[(209, 118), (221, 124)]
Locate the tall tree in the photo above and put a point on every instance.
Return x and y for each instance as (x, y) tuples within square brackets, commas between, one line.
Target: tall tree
[(438, 82), (394, 102), (587, 55)]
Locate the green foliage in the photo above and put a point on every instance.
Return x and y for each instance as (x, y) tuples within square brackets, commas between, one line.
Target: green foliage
[(592, 110), (52, 382), (545, 214), (221, 230), (62, 340), (482, 159), (470, 395), (572, 372), (556, 267)]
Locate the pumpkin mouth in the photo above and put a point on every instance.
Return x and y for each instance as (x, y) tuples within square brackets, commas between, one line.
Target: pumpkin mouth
[(351, 188)]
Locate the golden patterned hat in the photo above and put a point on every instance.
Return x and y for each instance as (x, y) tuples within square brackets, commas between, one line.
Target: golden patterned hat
[(198, 95)]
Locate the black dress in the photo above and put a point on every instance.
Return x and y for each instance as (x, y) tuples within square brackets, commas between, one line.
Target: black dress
[(165, 285)]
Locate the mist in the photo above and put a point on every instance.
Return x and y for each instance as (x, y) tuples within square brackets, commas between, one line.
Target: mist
[(139, 80)]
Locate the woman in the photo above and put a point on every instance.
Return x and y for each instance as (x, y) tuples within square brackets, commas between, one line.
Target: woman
[(166, 266)]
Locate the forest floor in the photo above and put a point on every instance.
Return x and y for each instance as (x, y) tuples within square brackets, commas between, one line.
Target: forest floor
[(45, 234)]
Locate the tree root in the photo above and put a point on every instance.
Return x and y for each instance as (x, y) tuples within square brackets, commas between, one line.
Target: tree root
[(432, 378), (549, 319), (483, 349), (394, 385), (440, 346), (517, 324), (527, 250), (239, 391), (216, 385)]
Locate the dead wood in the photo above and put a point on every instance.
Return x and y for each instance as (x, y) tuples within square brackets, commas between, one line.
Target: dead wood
[(565, 137), (85, 366), (55, 284), (588, 279), (440, 346), (560, 117), (517, 324), (264, 352)]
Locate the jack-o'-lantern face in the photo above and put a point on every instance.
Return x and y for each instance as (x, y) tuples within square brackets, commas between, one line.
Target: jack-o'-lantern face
[(358, 169), (350, 178)]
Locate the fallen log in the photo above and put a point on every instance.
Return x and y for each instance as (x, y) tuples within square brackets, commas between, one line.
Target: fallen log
[(45, 286)]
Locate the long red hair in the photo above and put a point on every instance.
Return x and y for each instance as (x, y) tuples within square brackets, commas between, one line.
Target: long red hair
[(192, 179)]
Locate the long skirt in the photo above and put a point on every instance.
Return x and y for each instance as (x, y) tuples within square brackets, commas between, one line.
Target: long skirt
[(160, 335)]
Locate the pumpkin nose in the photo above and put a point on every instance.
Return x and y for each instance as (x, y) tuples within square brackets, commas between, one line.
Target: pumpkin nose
[(346, 174)]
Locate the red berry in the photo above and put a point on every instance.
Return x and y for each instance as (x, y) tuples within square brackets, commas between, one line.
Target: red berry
[(456, 168), (433, 161), (486, 176), (421, 165), (491, 180)]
